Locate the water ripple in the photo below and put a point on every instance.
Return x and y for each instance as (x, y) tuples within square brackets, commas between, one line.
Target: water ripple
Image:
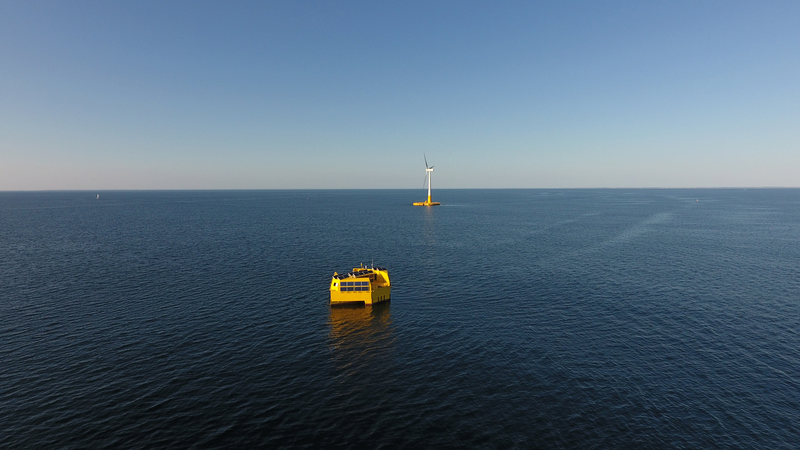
[(519, 319)]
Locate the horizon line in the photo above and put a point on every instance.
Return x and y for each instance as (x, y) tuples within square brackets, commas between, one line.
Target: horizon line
[(385, 189)]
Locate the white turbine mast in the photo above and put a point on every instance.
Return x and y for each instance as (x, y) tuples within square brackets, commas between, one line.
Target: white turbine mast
[(428, 173)]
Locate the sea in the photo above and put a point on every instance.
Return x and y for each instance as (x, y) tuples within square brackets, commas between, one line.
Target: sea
[(608, 318)]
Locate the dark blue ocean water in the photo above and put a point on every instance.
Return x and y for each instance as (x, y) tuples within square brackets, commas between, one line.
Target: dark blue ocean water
[(519, 318)]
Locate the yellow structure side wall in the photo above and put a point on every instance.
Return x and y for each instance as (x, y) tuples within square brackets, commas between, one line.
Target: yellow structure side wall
[(377, 295), (381, 289)]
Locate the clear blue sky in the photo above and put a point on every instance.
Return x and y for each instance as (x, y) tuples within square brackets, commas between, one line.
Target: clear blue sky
[(218, 95)]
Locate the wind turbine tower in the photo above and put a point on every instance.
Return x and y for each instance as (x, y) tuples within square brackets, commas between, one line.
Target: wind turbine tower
[(428, 173)]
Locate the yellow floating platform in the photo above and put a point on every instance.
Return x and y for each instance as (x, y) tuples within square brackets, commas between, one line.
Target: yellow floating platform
[(428, 203), (361, 286)]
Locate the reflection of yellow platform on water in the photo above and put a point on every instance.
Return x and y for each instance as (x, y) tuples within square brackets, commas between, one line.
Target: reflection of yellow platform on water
[(361, 286), (358, 324), (360, 340)]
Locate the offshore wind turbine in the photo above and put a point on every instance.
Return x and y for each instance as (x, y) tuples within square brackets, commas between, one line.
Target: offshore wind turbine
[(428, 173)]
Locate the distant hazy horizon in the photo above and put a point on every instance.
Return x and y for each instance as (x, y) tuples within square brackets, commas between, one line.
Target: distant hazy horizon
[(410, 190), (256, 95)]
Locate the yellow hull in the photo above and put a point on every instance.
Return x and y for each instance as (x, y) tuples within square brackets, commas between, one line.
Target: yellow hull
[(382, 294), (361, 286), (428, 203)]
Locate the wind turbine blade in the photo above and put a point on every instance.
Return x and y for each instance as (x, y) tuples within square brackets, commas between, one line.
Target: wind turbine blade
[(426, 160), (431, 167), (424, 180)]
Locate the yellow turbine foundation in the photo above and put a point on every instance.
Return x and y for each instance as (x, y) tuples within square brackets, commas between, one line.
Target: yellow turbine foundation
[(428, 203)]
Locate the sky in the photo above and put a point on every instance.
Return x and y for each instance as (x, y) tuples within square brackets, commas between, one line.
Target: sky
[(317, 95)]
